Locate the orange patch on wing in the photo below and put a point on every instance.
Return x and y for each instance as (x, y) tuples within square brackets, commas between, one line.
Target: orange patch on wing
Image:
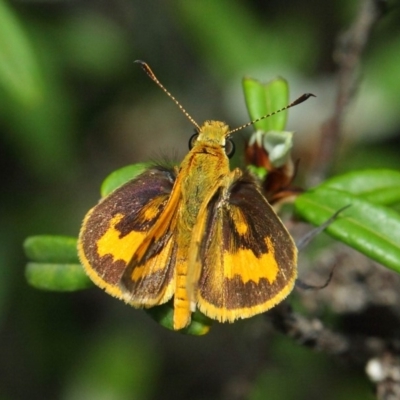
[(154, 264), (92, 272), (151, 210), (248, 267), (240, 222), (121, 248)]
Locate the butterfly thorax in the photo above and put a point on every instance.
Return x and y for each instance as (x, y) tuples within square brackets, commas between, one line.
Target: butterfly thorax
[(203, 168)]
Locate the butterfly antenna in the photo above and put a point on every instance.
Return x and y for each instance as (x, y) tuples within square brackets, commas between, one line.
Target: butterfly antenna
[(302, 98), (150, 73)]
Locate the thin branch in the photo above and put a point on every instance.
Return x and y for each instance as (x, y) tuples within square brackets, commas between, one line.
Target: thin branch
[(313, 334), (349, 49)]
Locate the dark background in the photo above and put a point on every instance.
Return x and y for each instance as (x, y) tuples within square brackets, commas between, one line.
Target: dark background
[(78, 108)]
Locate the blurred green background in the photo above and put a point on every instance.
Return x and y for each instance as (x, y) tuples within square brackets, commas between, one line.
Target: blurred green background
[(74, 107)]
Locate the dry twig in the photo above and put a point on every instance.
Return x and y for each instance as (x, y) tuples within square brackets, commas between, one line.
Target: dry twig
[(349, 49)]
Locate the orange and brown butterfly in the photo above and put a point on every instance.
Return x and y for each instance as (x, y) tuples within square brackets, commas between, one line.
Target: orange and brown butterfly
[(200, 233)]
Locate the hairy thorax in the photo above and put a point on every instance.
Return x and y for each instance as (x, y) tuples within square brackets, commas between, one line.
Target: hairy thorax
[(204, 170)]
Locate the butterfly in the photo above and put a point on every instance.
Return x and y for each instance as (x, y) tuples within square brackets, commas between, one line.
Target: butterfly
[(199, 233)]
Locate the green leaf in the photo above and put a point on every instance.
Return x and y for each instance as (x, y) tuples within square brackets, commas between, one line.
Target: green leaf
[(370, 228), (164, 315), (379, 186), (121, 176), (55, 264), (260, 172), (51, 249), (262, 99), (57, 277), (19, 67)]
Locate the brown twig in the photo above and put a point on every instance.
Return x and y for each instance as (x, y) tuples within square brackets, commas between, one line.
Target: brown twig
[(365, 299), (314, 334), (349, 49), (380, 357)]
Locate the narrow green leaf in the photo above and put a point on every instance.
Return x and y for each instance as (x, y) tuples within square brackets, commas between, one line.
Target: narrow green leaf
[(121, 176), (379, 186), (57, 277), (372, 229), (55, 264), (277, 96), (254, 94), (262, 99), (19, 67), (51, 249)]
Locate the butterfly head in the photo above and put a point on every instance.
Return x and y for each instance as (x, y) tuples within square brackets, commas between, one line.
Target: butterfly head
[(213, 132)]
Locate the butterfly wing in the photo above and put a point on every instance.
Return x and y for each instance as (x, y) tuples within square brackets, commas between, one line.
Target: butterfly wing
[(117, 227), (149, 277), (245, 258)]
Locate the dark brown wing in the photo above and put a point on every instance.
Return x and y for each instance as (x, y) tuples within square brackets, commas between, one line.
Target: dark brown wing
[(246, 258), (113, 230)]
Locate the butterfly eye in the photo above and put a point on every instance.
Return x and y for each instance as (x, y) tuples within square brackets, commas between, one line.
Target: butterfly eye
[(229, 148), (192, 140)]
